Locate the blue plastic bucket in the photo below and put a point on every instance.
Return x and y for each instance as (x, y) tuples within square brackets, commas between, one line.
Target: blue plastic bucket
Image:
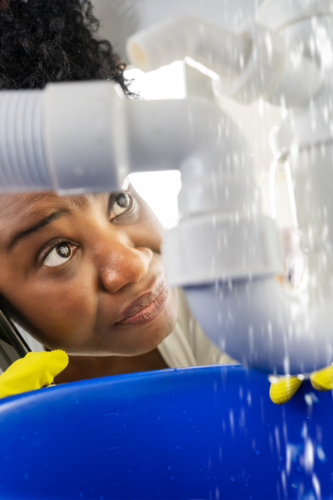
[(195, 433)]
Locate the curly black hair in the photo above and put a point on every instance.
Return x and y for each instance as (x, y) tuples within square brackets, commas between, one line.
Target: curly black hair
[(45, 41)]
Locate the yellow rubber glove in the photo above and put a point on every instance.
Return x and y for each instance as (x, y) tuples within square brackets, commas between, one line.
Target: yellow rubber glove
[(322, 380), (35, 370), (283, 388)]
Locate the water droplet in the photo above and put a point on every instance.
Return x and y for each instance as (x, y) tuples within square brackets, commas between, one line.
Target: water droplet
[(172, 478), (169, 467), (299, 469), (178, 447), (26, 476), (321, 454), (232, 479), (249, 475), (281, 459), (257, 452)]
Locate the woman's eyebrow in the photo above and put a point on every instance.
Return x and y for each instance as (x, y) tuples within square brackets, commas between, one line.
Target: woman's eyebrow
[(35, 227)]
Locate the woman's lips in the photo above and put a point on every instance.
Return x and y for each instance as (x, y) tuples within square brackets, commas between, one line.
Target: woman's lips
[(146, 309)]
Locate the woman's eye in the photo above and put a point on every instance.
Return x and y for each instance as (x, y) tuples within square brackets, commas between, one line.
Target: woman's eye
[(59, 255), (119, 203)]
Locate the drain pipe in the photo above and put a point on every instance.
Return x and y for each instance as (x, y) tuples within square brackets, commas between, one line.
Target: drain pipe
[(276, 324), (264, 321), (183, 37)]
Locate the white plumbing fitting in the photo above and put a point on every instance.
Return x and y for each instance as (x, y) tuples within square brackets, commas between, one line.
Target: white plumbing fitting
[(84, 137), (221, 232), (70, 137), (22, 153), (267, 323), (273, 71), (219, 253), (218, 247), (176, 38), (85, 134), (278, 14), (251, 63)]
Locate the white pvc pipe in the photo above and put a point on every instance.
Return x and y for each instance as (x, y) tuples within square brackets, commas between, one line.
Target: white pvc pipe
[(69, 138), (263, 325), (196, 137), (218, 49), (22, 148), (85, 137)]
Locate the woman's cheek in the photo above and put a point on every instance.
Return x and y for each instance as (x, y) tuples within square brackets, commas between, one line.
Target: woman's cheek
[(74, 317), (64, 316)]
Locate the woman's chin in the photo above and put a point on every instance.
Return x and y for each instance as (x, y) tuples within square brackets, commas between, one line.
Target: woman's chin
[(133, 340), (142, 340)]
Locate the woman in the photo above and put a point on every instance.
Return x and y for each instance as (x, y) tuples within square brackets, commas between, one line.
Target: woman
[(85, 273)]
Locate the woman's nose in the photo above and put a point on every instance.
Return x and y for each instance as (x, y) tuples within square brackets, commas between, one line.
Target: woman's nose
[(123, 265)]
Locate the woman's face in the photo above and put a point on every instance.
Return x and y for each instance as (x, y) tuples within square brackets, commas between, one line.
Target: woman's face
[(85, 273)]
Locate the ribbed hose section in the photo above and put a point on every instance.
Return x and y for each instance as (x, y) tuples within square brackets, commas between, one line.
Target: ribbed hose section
[(22, 156)]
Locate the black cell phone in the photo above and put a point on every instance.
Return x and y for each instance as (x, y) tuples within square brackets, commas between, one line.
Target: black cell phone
[(12, 344)]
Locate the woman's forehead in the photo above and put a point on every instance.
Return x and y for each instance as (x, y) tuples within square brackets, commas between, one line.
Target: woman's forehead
[(20, 209), (15, 205), (11, 204)]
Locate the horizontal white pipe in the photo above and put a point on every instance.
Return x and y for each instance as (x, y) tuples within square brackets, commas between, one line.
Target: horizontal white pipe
[(22, 147), (221, 245), (174, 39), (68, 138), (196, 137), (83, 137)]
